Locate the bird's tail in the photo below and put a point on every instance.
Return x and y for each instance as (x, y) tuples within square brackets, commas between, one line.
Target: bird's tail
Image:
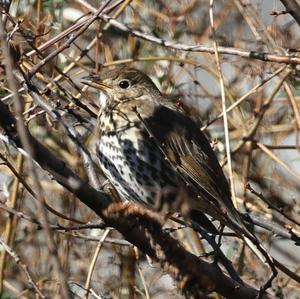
[(251, 240)]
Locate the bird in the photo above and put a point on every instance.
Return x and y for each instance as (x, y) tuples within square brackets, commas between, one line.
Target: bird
[(155, 154)]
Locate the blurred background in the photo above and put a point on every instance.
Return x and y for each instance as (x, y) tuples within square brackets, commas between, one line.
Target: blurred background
[(263, 123)]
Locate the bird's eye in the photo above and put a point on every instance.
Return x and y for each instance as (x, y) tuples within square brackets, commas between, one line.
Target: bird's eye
[(124, 84)]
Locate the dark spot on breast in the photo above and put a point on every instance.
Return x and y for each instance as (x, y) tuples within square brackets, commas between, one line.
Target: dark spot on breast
[(146, 178), (140, 168), (116, 184), (127, 143), (152, 158), (132, 165), (154, 175)]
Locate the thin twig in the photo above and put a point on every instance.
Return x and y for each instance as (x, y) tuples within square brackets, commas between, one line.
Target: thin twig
[(24, 268), (94, 260), (201, 48), (24, 138), (225, 120)]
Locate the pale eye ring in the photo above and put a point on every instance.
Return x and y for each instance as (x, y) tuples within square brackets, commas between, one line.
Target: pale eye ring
[(124, 84)]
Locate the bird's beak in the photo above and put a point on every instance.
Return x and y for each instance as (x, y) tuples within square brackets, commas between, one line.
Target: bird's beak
[(95, 82)]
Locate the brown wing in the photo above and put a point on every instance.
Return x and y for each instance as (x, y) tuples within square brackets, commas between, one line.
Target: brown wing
[(190, 152)]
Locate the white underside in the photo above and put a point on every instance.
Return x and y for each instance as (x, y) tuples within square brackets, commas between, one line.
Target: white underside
[(120, 174)]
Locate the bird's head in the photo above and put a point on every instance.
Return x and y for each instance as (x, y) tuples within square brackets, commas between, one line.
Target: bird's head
[(124, 84)]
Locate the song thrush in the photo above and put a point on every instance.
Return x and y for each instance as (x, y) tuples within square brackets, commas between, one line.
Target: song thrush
[(153, 153)]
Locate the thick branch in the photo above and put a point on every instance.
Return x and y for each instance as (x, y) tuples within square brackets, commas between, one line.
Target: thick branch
[(138, 225)]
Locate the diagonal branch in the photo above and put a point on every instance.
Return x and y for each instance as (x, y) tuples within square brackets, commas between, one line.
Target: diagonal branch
[(139, 226)]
